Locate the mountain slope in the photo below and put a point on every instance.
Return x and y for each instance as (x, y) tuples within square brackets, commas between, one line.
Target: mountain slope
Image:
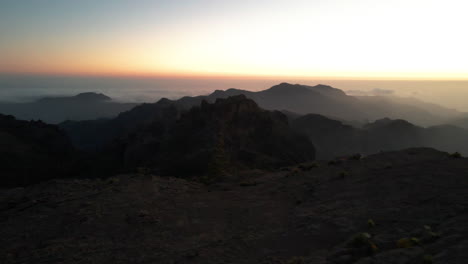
[(232, 133), (237, 133), (297, 216), (333, 138), (164, 136), (31, 152), (84, 106), (334, 103)]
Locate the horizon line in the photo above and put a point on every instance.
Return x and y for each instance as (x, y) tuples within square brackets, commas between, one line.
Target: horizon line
[(226, 76)]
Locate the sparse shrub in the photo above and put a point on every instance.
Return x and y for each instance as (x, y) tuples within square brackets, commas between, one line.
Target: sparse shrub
[(404, 243), (371, 223), (332, 163), (360, 239), (408, 242), (362, 244), (429, 235), (456, 155), (415, 241), (113, 180)]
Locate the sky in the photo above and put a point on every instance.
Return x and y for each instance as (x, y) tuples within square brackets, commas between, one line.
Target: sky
[(381, 39)]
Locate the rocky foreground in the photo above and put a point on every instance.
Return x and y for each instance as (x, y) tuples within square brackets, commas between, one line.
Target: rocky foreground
[(397, 207)]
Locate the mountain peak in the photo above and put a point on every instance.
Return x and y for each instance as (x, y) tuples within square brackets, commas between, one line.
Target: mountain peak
[(387, 123), (81, 97), (92, 96), (287, 87), (320, 88)]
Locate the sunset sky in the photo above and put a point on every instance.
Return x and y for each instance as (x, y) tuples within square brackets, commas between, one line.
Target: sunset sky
[(420, 39)]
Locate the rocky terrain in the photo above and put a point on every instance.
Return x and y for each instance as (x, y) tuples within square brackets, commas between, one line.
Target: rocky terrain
[(32, 151), (397, 207), (230, 134)]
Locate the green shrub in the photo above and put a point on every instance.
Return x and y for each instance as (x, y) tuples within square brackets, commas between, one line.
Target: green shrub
[(362, 242), (408, 242)]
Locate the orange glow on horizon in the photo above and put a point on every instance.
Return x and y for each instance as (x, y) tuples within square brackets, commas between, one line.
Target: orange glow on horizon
[(330, 40)]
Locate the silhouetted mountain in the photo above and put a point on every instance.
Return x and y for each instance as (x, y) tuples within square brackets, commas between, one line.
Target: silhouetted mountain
[(447, 138), (232, 133), (333, 138), (32, 151), (88, 97), (167, 136), (95, 134), (460, 122), (413, 110), (84, 106), (302, 99), (334, 103)]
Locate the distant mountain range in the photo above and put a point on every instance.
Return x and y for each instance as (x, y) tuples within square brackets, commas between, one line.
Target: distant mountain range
[(164, 136), (185, 136), (333, 138), (330, 137), (334, 103), (294, 98), (53, 110)]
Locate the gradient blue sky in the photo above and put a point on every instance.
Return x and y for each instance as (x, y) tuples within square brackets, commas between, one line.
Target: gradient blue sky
[(334, 38)]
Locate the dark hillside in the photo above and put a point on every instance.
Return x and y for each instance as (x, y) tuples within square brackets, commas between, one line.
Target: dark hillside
[(399, 207)]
